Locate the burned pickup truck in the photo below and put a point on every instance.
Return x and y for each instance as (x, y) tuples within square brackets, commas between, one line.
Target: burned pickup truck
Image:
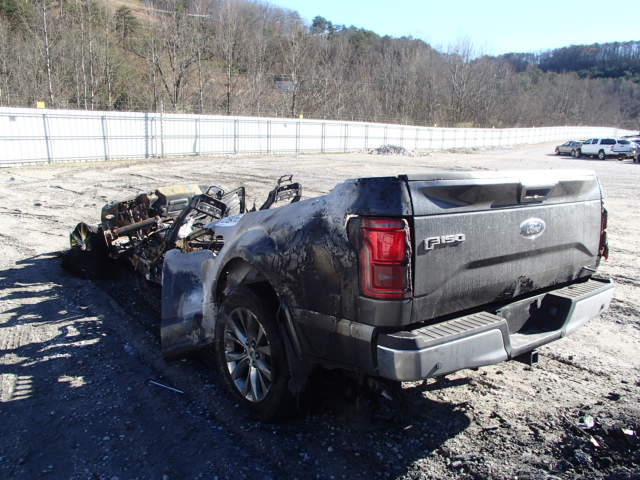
[(401, 278)]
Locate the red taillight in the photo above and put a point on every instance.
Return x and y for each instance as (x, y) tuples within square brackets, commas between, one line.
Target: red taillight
[(385, 258), (604, 246)]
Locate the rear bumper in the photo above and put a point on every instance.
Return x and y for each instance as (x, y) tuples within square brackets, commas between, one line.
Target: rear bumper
[(619, 153), (486, 338)]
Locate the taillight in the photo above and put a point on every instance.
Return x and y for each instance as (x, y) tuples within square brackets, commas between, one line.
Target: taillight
[(385, 258), (603, 251)]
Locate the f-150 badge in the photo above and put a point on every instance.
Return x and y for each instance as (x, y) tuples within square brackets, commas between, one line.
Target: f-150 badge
[(532, 228), (431, 242)]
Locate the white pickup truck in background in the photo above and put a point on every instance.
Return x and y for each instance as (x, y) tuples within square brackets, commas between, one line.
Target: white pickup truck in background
[(606, 147)]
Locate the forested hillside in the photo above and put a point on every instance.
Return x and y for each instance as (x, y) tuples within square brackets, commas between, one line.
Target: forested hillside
[(251, 58), (607, 60)]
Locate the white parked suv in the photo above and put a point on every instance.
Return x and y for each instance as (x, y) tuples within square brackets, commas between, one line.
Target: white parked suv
[(606, 147)]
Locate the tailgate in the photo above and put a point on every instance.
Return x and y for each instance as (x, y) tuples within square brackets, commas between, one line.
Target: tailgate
[(484, 237)]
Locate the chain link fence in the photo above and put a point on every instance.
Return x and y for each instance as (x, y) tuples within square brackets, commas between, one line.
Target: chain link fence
[(49, 136)]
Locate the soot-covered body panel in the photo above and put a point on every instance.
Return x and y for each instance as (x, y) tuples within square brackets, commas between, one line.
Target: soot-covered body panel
[(303, 251)]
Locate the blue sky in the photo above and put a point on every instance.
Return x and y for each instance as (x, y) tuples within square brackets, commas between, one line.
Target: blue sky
[(493, 27)]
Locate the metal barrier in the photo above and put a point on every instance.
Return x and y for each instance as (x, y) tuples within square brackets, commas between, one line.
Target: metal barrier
[(48, 136)]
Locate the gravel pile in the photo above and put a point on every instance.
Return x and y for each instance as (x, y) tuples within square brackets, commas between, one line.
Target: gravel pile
[(391, 150)]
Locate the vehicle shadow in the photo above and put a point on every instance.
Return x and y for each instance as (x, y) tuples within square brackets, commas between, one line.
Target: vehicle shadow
[(567, 157), (75, 362), (582, 157), (389, 434)]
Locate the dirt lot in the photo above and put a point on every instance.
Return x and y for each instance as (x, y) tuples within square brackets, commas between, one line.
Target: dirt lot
[(76, 356)]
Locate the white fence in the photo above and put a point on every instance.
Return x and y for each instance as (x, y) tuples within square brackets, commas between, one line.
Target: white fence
[(48, 136)]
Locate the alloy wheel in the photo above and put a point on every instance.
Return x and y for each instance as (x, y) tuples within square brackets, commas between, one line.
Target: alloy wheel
[(247, 352)]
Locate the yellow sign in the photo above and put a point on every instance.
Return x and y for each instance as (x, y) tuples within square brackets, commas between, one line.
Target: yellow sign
[(40, 105)]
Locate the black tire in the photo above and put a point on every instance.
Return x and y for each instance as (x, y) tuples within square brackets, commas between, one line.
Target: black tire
[(557, 152), (601, 155), (266, 404), (575, 154)]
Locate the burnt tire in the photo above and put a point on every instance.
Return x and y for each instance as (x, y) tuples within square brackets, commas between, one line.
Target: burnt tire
[(250, 355), (88, 256)]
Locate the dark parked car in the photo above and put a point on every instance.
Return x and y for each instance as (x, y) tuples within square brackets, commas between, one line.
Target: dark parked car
[(635, 150), (571, 147), (399, 278)]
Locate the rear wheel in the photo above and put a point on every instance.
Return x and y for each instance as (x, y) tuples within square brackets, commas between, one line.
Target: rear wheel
[(601, 155), (250, 354), (575, 154)]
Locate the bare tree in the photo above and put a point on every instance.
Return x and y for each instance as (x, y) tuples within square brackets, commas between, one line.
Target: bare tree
[(5, 61), (295, 45), (230, 33), (47, 51)]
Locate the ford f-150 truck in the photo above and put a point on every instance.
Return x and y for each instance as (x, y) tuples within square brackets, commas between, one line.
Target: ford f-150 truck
[(404, 278)]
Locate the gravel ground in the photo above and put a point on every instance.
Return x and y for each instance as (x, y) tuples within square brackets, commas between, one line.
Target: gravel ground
[(77, 357)]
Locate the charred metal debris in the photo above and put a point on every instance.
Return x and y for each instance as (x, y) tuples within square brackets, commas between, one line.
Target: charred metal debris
[(142, 229)]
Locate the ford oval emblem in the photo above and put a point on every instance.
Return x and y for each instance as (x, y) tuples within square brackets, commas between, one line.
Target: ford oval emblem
[(532, 228)]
